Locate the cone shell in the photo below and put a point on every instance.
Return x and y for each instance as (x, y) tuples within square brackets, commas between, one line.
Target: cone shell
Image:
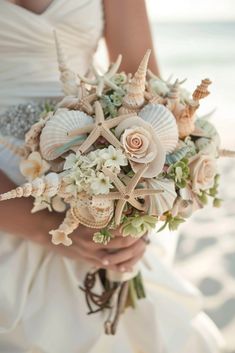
[(54, 134), (163, 123), (163, 201), (134, 98), (93, 213)]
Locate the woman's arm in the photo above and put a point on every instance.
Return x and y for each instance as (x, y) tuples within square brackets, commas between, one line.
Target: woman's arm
[(16, 218), (127, 32)]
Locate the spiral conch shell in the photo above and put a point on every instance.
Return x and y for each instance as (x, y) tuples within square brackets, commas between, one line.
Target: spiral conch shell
[(93, 213), (67, 77), (162, 202), (134, 98), (163, 123), (47, 186), (55, 132)]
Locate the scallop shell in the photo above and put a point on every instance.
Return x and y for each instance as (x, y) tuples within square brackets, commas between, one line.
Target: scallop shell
[(161, 202), (48, 186), (54, 134), (163, 123), (93, 213), (207, 146), (134, 98), (208, 130)]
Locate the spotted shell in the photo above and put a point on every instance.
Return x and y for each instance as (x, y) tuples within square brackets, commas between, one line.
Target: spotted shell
[(161, 202), (55, 132), (163, 123), (93, 213)]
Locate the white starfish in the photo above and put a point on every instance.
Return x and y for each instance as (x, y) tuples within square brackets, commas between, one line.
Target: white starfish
[(101, 81)]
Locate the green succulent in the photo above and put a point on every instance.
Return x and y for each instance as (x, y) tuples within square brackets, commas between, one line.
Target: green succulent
[(179, 172), (172, 223), (116, 99), (137, 225), (119, 79), (102, 237)]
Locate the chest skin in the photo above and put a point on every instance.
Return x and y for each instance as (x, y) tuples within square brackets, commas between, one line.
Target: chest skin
[(37, 7)]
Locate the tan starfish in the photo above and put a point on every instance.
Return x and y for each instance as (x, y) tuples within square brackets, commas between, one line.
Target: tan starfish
[(83, 101), (127, 193), (100, 127), (101, 81)]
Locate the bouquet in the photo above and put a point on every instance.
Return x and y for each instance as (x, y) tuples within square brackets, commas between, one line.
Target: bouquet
[(120, 151)]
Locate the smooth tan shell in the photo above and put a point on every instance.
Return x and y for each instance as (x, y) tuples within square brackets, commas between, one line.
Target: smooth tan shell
[(162, 202), (163, 124), (54, 134)]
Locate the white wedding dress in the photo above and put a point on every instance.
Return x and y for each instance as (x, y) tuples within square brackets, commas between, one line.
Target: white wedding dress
[(41, 308)]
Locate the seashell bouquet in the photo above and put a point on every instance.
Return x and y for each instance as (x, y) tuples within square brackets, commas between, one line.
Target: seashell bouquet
[(120, 151)]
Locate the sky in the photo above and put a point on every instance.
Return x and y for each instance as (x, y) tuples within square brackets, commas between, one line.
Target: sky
[(191, 10)]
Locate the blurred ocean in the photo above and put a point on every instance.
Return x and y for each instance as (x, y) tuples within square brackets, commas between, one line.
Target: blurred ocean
[(206, 250), (198, 50)]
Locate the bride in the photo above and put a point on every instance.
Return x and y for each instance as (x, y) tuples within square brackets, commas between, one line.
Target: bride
[(41, 307)]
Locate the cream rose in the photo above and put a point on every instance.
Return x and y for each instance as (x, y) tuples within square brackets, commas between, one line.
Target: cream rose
[(141, 145), (136, 143), (202, 170)]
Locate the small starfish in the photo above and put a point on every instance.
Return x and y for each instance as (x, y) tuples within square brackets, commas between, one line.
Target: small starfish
[(83, 101), (101, 80), (126, 193), (100, 127)]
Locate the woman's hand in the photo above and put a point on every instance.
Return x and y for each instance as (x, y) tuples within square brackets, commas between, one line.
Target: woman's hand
[(120, 254)]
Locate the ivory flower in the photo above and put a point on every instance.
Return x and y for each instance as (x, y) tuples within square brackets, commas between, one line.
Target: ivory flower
[(114, 158), (202, 171), (34, 166), (101, 185)]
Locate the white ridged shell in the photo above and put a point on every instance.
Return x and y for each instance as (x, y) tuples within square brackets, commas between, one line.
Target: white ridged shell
[(54, 134), (208, 130), (163, 123), (163, 201)]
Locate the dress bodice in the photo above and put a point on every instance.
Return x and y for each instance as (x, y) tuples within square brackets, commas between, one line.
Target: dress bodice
[(28, 63)]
